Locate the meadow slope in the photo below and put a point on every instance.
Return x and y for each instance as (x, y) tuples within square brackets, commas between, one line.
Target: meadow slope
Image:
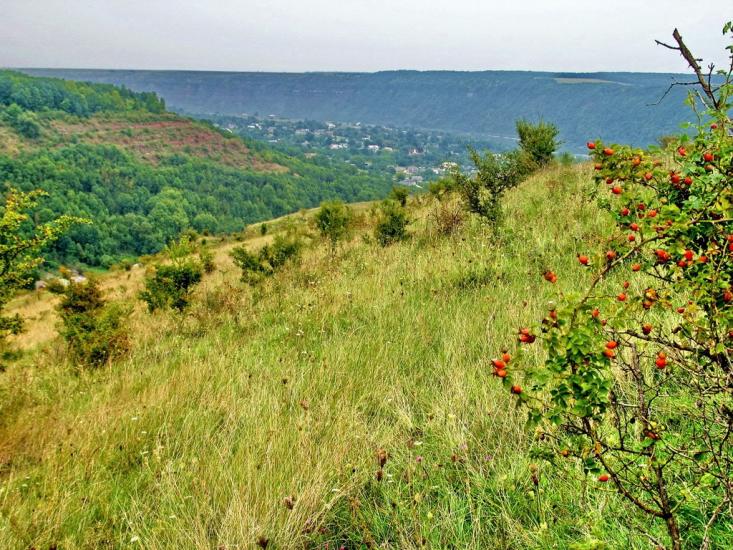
[(288, 390)]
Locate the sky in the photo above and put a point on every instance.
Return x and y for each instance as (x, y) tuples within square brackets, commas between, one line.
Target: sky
[(359, 35)]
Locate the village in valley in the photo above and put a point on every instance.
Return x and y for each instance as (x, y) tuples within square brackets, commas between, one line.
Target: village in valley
[(411, 157)]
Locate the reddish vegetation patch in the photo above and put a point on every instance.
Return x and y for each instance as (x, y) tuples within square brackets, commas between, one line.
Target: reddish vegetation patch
[(154, 139)]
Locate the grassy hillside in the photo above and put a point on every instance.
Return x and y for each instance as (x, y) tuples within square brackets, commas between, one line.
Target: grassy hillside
[(617, 107), (257, 417), (143, 175)]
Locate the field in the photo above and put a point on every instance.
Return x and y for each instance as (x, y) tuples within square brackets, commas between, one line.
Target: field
[(256, 418)]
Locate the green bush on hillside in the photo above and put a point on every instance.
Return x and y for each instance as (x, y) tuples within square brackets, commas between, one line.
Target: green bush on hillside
[(400, 194), (495, 175), (333, 221), (392, 224), (270, 258), (538, 140), (171, 285), (95, 331)]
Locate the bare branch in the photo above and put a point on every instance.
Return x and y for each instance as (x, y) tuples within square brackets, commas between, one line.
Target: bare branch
[(694, 64), (670, 89)]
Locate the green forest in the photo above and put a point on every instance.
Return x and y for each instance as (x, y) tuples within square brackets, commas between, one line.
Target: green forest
[(136, 206)]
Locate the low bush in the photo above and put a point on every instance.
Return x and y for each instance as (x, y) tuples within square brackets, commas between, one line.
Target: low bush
[(333, 221), (207, 260), (400, 194), (392, 224), (538, 140), (268, 260), (95, 331), (171, 285), (495, 175), (448, 217)]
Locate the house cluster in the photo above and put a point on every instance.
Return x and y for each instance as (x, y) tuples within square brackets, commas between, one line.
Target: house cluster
[(410, 175)]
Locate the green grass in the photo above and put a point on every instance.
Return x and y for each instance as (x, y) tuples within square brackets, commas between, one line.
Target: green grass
[(289, 390)]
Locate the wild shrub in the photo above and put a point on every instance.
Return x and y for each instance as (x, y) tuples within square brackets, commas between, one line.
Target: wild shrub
[(443, 187), (538, 140), (448, 217), (400, 194), (268, 260), (333, 221), (637, 386), (94, 330), (495, 174), (392, 224), (206, 257), (170, 285), (56, 286)]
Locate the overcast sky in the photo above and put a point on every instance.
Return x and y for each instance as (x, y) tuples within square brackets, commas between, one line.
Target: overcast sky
[(358, 35)]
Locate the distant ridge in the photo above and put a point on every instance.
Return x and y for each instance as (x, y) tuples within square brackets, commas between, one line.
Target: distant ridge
[(617, 107)]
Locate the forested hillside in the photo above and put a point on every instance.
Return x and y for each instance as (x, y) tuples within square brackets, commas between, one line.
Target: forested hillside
[(620, 107), (143, 175)]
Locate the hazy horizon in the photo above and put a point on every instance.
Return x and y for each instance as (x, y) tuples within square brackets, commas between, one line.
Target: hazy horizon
[(357, 36), (161, 70)]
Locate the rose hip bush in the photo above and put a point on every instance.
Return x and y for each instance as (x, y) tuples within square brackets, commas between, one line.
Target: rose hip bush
[(636, 389)]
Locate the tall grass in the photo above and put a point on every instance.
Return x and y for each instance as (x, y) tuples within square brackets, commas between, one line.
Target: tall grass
[(290, 388)]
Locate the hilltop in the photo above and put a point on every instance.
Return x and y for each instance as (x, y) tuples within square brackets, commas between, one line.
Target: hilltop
[(143, 175), (617, 107)]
